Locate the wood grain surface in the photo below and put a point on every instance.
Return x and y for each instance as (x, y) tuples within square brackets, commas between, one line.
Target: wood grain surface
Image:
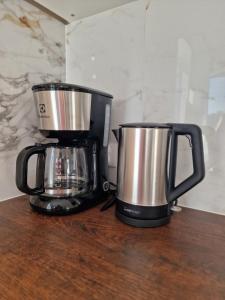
[(92, 255)]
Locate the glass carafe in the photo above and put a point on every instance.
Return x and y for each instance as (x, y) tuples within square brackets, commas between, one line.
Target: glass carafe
[(61, 171), (66, 171)]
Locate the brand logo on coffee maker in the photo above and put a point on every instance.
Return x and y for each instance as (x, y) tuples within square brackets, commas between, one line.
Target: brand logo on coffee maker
[(42, 108)]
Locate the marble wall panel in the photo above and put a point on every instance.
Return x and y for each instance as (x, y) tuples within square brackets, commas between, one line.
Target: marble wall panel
[(32, 51), (106, 51), (164, 61)]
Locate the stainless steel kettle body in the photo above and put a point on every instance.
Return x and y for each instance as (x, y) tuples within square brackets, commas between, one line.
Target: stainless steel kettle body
[(147, 169)]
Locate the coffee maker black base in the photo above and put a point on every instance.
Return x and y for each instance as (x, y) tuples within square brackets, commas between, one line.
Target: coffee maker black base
[(65, 206), (142, 216)]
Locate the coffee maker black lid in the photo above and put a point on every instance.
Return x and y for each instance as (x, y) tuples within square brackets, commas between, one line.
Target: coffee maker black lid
[(145, 125), (55, 86)]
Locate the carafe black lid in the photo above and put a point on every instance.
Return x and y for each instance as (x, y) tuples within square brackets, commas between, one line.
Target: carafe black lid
[(145, 125), (55, 86)]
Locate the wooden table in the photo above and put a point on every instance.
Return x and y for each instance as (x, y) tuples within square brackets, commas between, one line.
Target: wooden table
[(92, 255)]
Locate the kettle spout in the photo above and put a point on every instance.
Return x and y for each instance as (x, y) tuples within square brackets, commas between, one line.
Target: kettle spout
[(116, 134)]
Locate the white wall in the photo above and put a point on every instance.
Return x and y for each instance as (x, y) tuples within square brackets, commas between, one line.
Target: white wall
[(32, 50), (164, 61)]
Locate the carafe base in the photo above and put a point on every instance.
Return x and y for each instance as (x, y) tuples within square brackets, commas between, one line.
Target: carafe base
[(65, 206)]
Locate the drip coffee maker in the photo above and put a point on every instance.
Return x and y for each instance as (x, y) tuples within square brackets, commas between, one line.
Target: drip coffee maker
[(71, 175)]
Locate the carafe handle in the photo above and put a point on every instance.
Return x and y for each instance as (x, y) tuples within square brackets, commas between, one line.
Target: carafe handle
[(22, 170), (195, 134)]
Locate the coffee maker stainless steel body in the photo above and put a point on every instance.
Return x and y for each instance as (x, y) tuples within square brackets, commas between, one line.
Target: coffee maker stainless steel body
[(63, 110), (72, 174), (146, 172)]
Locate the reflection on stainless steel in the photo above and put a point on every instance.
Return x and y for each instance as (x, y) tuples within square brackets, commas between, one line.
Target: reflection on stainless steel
[(142, 166), (63, 110)]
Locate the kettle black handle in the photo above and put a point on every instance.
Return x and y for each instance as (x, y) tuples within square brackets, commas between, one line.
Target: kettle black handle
[(22, 169), (195, 134)]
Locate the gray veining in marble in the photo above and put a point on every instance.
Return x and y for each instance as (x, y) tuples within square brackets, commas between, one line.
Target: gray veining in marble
[(32, 51)]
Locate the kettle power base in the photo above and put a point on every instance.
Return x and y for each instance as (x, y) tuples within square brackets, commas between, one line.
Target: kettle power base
[(142, 222)]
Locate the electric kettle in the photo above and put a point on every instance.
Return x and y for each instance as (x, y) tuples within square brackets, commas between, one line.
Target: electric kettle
[(146, 171)]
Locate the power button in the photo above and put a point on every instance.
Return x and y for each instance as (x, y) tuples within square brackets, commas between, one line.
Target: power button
[(105, 186)]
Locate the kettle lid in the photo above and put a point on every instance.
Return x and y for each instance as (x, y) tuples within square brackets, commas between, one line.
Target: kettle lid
[(145, 125)]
